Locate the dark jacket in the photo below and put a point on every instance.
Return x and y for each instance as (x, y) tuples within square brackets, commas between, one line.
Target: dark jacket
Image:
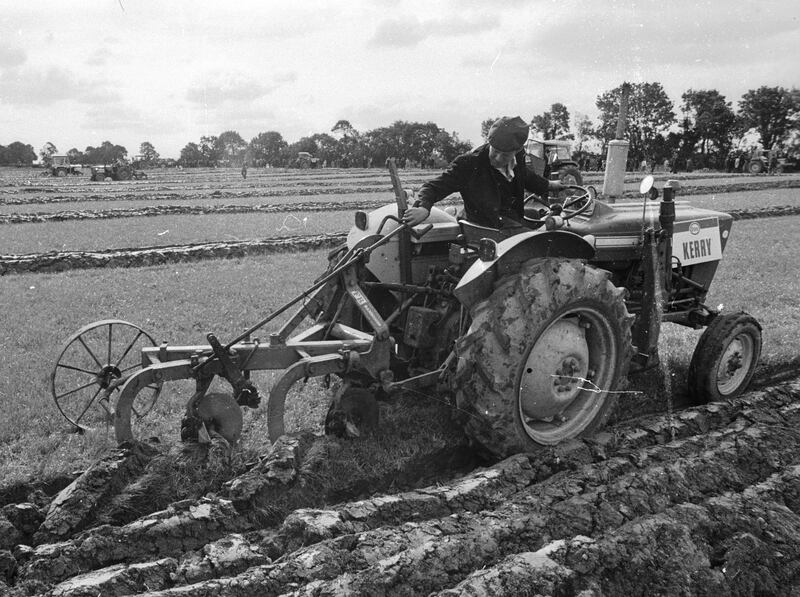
[(488, 197)]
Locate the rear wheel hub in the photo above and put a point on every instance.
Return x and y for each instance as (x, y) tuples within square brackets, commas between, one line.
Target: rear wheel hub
[(555, 371)]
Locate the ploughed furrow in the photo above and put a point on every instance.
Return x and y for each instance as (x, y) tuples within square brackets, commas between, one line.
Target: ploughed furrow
[(736, 543), (57, 261), (519, 521), (50, 195), (68, 260)]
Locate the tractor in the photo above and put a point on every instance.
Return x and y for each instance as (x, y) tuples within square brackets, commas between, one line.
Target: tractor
[(60, 166), (306, 160), (553, 160), (117, 171), (531, 334)]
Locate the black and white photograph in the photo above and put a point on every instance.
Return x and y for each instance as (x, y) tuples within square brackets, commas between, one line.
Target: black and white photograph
[(398, 298)]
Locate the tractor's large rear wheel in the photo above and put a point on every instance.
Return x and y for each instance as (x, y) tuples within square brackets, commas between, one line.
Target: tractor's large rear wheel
[(543, 358)]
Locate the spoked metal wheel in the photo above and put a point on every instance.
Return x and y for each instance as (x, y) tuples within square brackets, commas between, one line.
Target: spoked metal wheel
[(91, 368)]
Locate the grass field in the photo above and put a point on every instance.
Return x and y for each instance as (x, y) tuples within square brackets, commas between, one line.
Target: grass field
[(181, 303), (94, 235)]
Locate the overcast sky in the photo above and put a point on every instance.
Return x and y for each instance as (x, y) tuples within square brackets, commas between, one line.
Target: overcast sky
[(79, 73)]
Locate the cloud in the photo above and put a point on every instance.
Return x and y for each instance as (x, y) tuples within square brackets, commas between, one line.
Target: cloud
[(409, 31), (11, 57), (670, 36), (217, 88), (99, 57), (45, 87)]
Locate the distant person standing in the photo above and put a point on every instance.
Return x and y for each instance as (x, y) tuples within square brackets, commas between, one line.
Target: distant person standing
[(244, 170)]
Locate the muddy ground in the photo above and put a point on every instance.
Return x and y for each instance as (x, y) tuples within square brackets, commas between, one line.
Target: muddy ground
[(695, 501)]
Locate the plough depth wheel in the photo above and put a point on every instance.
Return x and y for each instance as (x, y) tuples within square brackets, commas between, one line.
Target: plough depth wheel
[(91, 367)]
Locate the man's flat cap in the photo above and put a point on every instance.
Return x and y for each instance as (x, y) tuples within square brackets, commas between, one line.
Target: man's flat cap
[(508, 134)]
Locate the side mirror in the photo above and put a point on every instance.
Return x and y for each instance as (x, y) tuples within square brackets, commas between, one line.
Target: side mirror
[(646, 187)]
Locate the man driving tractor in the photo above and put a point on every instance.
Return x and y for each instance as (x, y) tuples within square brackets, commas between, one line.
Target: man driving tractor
[(492, 180)]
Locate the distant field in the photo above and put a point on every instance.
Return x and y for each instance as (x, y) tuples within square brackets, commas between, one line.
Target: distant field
[(93, 235), (132, 232), (146, 200)]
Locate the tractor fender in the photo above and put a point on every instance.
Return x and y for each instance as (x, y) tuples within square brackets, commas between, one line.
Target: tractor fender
[(478, 283)]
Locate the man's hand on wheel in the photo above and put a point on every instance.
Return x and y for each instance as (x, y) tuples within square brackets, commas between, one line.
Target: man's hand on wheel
[(415, 215)]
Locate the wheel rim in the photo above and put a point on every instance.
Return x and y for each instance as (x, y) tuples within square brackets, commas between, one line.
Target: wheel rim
[(563, 383), (735, 364), (92, 367)]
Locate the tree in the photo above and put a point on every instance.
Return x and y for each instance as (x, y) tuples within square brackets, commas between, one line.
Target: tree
[(209, 147), (582, 130), (265, 148), (17, 154), (191, 155), (327, 147), (486, 125), (344, 128), (769, 110), (148, 154), (46, 153), (650, 114), (709, 120), (107, 153), (231, 148), (76, 156), (552, 123), (448, 146)]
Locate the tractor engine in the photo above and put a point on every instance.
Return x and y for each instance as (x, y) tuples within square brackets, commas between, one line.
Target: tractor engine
[(426, 330)]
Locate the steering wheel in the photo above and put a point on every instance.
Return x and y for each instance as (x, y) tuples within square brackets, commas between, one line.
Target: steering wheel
[(586, 195)]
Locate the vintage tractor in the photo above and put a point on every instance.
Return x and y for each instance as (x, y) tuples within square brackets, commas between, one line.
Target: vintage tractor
[(531, 332), (116, 171), (553, 160), (306, 160), (60, 166)]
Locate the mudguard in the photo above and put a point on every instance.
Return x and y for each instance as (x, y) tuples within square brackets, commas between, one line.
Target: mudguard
[(478, 283)]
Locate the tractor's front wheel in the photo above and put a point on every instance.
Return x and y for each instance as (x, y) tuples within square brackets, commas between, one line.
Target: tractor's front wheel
[(544, 357), (725, 358)]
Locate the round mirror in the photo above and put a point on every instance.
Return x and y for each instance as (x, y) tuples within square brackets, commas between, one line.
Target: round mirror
[(646, 184)]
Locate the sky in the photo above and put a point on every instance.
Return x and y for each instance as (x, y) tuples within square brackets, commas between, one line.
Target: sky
[(127, 71)]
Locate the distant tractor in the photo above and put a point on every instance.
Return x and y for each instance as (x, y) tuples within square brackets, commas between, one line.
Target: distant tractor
[(60, 166), (758, 163), (306, 160), (553, 160), (116, 171)]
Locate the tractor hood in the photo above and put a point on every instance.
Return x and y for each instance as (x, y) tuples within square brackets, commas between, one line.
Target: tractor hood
[(384, 263), (699, 235), (445, 226)]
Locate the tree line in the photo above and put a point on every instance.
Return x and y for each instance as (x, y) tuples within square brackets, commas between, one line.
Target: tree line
[(707, 131)]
